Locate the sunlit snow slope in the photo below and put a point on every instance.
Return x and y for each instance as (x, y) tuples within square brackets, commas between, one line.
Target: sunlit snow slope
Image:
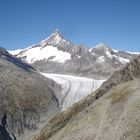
[(38, 53), (73, 88)]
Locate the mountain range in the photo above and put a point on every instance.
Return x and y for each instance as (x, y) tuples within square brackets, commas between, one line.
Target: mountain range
[(57, 55), (56, 90)]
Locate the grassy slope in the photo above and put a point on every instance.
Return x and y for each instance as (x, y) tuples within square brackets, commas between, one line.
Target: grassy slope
[(114, 116)]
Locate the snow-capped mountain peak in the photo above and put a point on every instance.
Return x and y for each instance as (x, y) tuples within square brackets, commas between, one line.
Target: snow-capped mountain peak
[(50, 49), (54, 39), (103, 47), (56, 33)]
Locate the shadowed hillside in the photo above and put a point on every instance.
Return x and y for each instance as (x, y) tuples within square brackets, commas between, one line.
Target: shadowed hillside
[(27, 97)]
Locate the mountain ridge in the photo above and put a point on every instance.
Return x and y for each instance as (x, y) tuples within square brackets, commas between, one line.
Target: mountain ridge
[(57, 55)]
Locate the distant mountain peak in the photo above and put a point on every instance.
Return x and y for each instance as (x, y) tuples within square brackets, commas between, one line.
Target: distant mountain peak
[(102, 46), (54, 39), (56, 31)]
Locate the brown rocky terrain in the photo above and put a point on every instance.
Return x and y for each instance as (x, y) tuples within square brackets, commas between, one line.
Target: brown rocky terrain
[(111, 112)]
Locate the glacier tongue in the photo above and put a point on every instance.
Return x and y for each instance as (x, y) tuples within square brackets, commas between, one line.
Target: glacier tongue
[(73, 88)]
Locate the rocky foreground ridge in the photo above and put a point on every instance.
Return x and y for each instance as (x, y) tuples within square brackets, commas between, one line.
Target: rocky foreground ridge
[(26, 97)]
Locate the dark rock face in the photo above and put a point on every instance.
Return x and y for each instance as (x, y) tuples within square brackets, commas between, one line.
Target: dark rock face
[(6, 56), (4, 134)]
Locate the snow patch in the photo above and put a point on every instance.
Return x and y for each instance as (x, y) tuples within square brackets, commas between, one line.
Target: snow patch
[(137, 53), (90, 50), (115, 50), (122, 60), (108, 54), (15, 52), (101, 59), (37, 53)]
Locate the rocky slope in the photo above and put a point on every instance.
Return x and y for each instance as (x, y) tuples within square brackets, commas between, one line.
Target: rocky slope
[(57, 55), (26, 97), (5, 133), (111, 112)]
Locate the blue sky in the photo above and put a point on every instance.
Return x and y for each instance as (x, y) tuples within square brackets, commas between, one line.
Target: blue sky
[(88, 22)]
